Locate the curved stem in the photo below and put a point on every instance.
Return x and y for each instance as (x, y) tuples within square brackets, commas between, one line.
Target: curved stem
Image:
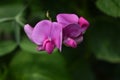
[(18, 17)]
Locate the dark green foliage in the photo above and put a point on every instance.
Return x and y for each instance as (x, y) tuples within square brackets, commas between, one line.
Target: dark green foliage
[(96, 58)]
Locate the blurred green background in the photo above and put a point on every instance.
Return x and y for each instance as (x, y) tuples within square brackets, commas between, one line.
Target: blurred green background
[(96, 58)]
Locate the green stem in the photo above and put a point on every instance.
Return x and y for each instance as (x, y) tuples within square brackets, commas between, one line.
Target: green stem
[(19, 21), (18, 17), (17, 32), (6, 19)]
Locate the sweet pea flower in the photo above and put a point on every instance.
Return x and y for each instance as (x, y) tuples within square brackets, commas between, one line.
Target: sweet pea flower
[(46, 35), (73, 28)]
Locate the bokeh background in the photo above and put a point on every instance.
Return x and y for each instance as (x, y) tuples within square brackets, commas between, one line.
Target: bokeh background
[(96, 58)]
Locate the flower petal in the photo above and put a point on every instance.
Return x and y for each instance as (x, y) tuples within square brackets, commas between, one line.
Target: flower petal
[(49, 47), (28, 30), (41, 31), (79, 39), (72, 30), (83, 24), (70, 43), (66, 19), (56, 34)]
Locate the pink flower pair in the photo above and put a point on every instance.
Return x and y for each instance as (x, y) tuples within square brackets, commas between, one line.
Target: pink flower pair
[(47, 35)]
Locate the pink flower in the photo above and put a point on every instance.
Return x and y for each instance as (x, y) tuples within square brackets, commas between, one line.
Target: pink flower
[(73, 28), (46, 35)]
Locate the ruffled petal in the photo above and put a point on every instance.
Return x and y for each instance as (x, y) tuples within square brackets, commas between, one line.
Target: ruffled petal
[(66, 19), (56, 34), (84, 24), (41, 31), (28, 30), (72, 30)]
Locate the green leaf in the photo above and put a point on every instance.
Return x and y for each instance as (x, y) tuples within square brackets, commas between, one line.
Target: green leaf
[(10, 10), (104, 40), (7, 33), (6, 47), (6, 27), (6, 20), (26, 66), (110, 7), (15, 13), (8, 13)]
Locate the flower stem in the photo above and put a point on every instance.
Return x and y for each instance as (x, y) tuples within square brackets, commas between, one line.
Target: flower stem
[(6, 19), (17, 19)]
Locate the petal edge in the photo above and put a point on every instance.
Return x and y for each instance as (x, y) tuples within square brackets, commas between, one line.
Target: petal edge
[(28, 30), (66, 19)]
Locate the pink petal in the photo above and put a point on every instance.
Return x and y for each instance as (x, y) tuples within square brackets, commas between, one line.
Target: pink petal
[(72, 30), (41, 31), (56, 34), (84, 24), (66, 19), (70, 43), (28, 30), (49, 47)]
